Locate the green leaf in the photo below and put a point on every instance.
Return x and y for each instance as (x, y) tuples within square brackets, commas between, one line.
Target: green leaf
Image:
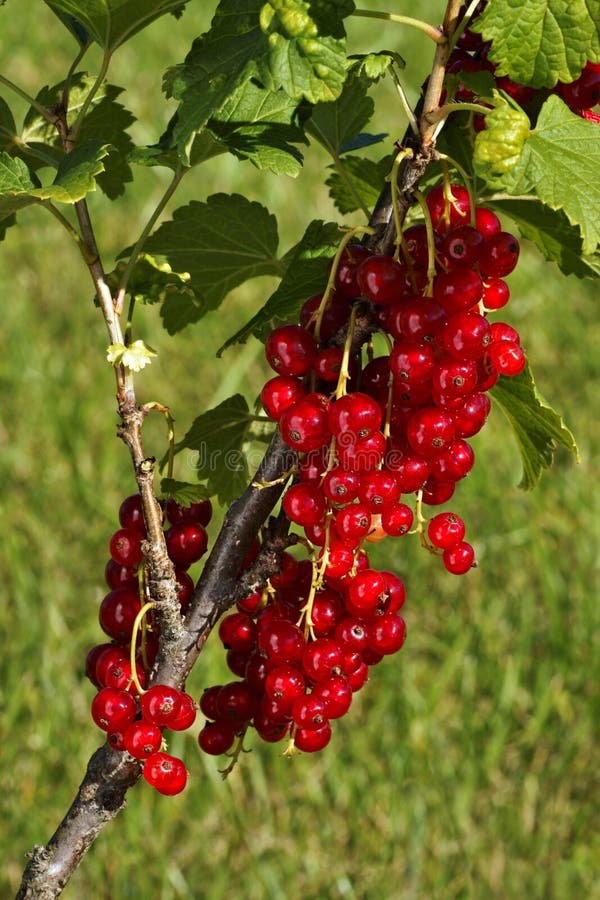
[(180, 308), (219, 435), (539, 430), (375, 65), (183, 492), (150, 281), (8, 129), (16, 188), (561, 161), (499, 146), (334, 125), (306, 274), (306, 46), (220, 243), (540, 42), (76, 175), (106, 123), (111, 22), (550, 231), (286, 44), (258, 125), (363, 178)]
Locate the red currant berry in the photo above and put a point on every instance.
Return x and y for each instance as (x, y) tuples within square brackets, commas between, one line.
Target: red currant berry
[(362, 455), (161, 704), (312, 740), (454, 377), (309, 712), (429, 431), (341, 486), (304, 504), (237, 631), (208, 701), (458, 289), (305, 425), (290, 350), (335, 316), (237, 701), (445, 530), (471, 417), (285, 684), (113, 710), (397, 520), (118, 675), (379, 490), (328, 364), (346, 283), (196, 512), (453, 463), (420, 319), (437, 492), (499, 255), (461, 246), (91, 662), (131, 514), (412, 362), (584, 92), (120, 576), (381, 279), (356, 414), (322, 658), (466, 335), (187, 714), (166, 773), (186, 543), (507, 357), (366, 590), (386, 634), (487, 222), (459, 558), (117, 613), (451, 210), (125, 547), (217, 737), (142, 739), (501, 331), (281, 642), (336, 694), (496, 293), (279, 394)]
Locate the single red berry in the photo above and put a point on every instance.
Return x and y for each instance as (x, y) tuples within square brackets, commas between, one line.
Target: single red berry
[(340, 561), (281, 642), (466, 335), (412, 362), (142, 739), (186, 543), (185, 588), (186, 716), (217, 737), (381, 279), (118, 675), (459, 558), (461, 246), (445, 530), (279, 394), (116, 740), (237, 660), (305, 425), (507, 357), (113, 710), (453, 463), (161, 704), (120, 576), (328, 363), (415, 241), (499, 255), (312, 740), (322, 658), (397, 519), (270, 729), (337, 313), (309, 712), (341, 486), (386, 634), (448, 210), (459, 288), (336, 693), (125, 547), (117, 613), (584, 92), (357, 415), (487, 222), (91, 662), (236, 701), (496, 293), (430, 430), (166, 773), (353, 523), (238, 631), (285, 684), (501, 331), (437, 492), (326, 612), (290, 350), (420, 319), (313, 465), (362, 455), (366, 590), (208, 701), (131, 514), (304, 503), (411, 469), (471, 417), (454, 377), (379, 490), (358, 677)]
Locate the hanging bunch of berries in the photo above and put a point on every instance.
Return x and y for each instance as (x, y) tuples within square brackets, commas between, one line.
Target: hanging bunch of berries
[(377, 438), (132, 717)]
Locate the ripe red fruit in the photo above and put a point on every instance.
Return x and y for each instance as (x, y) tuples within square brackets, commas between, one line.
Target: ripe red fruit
[(217, 737), (186, 716), (496, 293), (238, 631), (186, 543), (412, 362), (142, 739), (281, 641), (236, 701), (322, 658), (381, 279), (346, 283), (459, 558), (336, 693), (397, 520), (451, 212), (131, 513), (466, 335), (584, 92), (379, 490), (499, 255), (166, 773), (161, 704), (445, 530), (113, 710), (309, 712), (117, 613), (352, 523), (386, 634), (285, 684), (279, 394), (196, 512), (125, 547), (290, 350), (356, 414), (312, 740), (341, 486), (335, 316), (430, 430), (471, 417), (120, 576), (507, 357), (304, 503), (366, 590), (305, 425), (458, 289), (461, 246)]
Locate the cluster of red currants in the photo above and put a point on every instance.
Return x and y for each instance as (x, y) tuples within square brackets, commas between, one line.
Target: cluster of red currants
[(471, 55), (366, 435), (133, 717)]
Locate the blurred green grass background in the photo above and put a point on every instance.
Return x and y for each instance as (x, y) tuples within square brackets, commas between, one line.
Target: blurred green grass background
[(468, 767)]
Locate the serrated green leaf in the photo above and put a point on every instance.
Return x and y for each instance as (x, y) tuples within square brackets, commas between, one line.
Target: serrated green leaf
[(16, 188), (333, 125), (219, 435), (179, 309), (539, 430), (105, 123), (111, 22), (551, 232), (540, 42), (561, 161), (498, 147), (360, 184), (374, 65), (278, 43), (76, 174), (221, 243), (183, 492), (258, 125), (306, 273)]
